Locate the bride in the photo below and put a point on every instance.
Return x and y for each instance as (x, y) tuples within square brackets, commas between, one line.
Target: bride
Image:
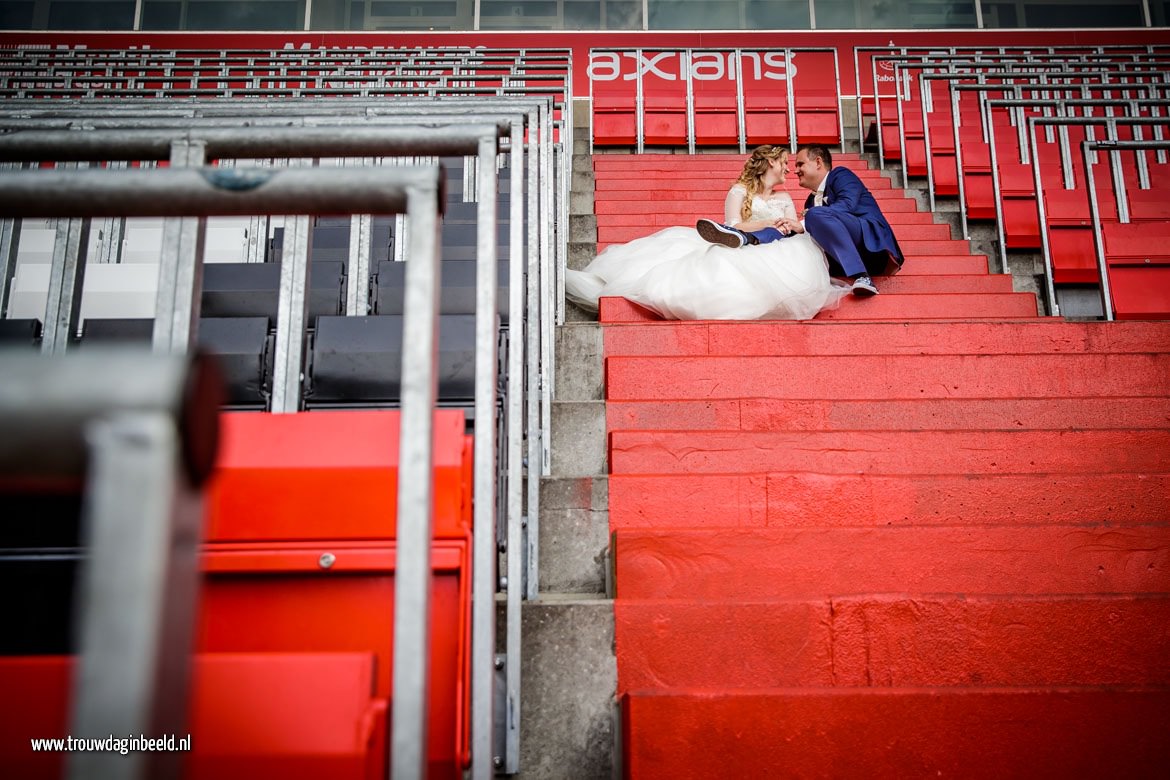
[(681, 275)]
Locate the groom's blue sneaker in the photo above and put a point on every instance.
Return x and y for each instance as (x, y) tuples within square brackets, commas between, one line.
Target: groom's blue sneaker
[(863, 286), (720, 234)]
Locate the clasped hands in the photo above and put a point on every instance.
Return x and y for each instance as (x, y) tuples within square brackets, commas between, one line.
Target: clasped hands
[(788, 226)]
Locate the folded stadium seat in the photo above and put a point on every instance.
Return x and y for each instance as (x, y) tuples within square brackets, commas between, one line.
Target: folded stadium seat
[(253, 289), (330, 240), (614, 119), (1070, 230), (765, 107), (664, 112), (300, 552), (1138, 258), (243, 349), (22, 332), (358, 360), (715, 113), (915, 140), (456, 293), (288, 715), (108, 331), (460, 240), (817, 116)]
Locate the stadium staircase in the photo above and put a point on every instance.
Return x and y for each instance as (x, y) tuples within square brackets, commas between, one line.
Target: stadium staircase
[(922, 534)]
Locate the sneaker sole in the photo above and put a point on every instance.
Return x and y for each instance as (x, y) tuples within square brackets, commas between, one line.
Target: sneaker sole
[(711, 232), (864, 292)]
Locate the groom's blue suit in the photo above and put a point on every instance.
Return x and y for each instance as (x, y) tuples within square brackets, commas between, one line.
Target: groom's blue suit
[(851, 228)]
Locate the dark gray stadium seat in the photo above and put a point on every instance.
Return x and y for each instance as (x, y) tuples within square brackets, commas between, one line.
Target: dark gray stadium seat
[(358, 360), (242, 347), (20, 333), (116, 331), (253, 289), (456, 293)]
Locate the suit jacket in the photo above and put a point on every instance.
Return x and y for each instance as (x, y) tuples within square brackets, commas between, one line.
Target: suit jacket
[(845, 192)]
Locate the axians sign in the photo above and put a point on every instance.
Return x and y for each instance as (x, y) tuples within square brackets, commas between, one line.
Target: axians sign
[(699, 65)]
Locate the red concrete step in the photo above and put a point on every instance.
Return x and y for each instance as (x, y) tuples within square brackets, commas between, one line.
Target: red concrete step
[(645, 223), (751, 414), (803, 500), (913, 247), (898, 641), (751, 564), (935, 306), (715, 184), (882, 377), (896, 733), (742, 339), (890, 200), (890, 452), (685, 213)]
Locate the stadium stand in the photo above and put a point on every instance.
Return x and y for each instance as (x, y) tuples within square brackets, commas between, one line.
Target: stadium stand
[(921, 534), (259, 314)]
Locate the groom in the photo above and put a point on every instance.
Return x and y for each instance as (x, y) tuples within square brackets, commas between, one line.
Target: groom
[(842, 216)]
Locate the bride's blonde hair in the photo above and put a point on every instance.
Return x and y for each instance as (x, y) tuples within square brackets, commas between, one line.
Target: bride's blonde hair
[(753, 174)]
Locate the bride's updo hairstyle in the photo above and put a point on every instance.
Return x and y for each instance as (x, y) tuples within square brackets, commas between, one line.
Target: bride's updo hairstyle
[(753, 173)]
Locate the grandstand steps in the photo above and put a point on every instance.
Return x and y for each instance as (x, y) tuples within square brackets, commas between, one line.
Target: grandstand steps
[(905, 306), (923, 533), (568, 667)]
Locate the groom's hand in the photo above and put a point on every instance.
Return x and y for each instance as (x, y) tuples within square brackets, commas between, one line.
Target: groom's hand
[(789, 226)]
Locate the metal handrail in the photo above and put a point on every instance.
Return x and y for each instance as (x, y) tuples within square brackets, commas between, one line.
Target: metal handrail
[(1111, 124), (1028, 149), (541, 126), (1020, 102), (207, 192), (1088, 149)]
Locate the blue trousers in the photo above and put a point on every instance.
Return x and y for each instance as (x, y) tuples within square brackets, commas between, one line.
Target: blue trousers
[(839, 234), (767, 235)]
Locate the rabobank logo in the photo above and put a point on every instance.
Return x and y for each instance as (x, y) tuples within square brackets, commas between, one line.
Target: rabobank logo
[(675, 65)]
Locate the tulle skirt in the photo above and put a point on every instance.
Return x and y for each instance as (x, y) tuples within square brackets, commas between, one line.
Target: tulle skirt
[(678, 274)]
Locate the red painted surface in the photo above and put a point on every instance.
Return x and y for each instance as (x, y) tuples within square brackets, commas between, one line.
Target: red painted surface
[(327, 475), (898, 733), (804, 500), (1041, 337), (934, 546), (769, 563), (297, 715), (909, 377)]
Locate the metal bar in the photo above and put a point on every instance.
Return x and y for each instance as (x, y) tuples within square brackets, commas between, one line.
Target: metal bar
[(347, 141), (515, 472), (926, 99), (180, 272), (137, 590), (413, 577), (292, 315), (205, 192), (1098, 239), (956, 114), (1041, 210), (740, 110), (790, 96), (534, 399), (483, 633), (901, 125), (547, 228), (357, 290), (997, 196), (9, 251), (66, 277), (690, 102), (639, 106)]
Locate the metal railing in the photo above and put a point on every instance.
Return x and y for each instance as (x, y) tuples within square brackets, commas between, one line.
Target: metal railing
[(1120, 191), (216, 121)]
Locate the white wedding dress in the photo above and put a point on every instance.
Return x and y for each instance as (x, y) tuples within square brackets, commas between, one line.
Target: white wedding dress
[(681, 276)]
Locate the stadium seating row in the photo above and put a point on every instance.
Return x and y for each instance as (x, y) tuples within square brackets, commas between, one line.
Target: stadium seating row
[(262, 581)]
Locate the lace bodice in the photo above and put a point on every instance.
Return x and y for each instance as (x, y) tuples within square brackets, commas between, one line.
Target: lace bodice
[(776, 205)]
